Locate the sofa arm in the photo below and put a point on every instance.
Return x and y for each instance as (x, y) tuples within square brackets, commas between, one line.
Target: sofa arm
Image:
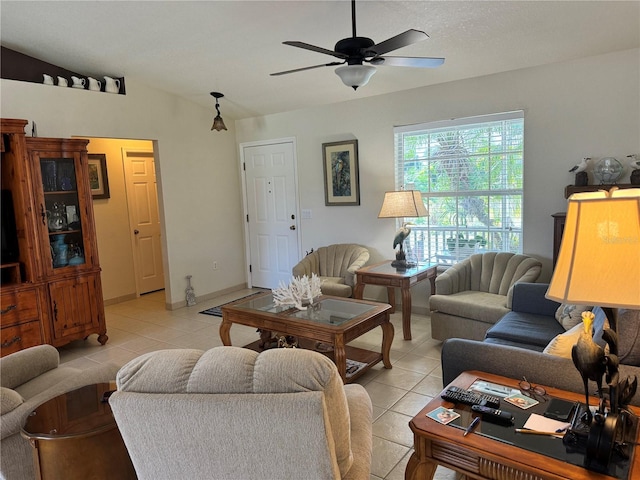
[(454, 279), (20, 367), (304, 267), (530, 298), (357, 264), (460, 355)]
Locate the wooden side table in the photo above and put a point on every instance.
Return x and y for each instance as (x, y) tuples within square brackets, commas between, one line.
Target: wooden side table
[(387, 276), (481, 457), (75, 436)]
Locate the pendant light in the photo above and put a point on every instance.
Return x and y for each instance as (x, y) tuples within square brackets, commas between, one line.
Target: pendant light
[(218, 123)]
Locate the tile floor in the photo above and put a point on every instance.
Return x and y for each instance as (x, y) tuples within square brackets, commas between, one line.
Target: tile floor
[(143, 325)]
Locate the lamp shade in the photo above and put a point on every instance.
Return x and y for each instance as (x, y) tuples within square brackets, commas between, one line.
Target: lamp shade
[(405, 203), (599, 259), (355, 75)]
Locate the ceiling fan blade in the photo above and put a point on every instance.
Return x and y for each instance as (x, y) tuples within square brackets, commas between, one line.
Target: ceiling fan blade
[(418, 62), (306, 68), (402, 40), (313, 48)]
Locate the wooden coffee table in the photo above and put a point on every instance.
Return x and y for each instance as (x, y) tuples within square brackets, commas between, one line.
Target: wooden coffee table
[(334, 322), (385, 275), (479, 456)]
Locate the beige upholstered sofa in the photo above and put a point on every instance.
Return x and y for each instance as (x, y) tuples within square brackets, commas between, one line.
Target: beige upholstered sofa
[(29, 378), (335, 265), (474, 294), (231, 413)]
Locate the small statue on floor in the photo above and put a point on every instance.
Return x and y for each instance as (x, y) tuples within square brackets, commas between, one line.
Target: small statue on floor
[(191, 294)]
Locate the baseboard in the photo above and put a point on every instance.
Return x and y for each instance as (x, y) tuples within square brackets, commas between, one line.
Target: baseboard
[(123, 298), (207, 296)]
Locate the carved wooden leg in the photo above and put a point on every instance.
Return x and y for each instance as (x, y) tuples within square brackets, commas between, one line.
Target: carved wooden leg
[(103, 338), (225, 332), (340, 356), (406, 313), (391, 298), (418, 469), (359, 291), (387, 340)]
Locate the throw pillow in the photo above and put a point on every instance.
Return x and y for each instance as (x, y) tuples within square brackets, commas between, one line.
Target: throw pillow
[(570, 315), (562, 344), (629, 336), (9, 400)]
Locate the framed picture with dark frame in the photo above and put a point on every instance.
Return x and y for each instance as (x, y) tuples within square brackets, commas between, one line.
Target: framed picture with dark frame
[(98, 178), (341, 175)]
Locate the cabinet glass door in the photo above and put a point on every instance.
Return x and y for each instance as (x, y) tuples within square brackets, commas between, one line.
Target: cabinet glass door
[(61, 212)]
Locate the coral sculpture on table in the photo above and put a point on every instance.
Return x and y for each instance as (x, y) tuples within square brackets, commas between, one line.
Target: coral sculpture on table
[(300, 290)]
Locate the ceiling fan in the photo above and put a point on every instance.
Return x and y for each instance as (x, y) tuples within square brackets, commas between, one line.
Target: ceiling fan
[(355, 50)]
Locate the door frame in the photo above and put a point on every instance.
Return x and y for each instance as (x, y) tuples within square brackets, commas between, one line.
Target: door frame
[(245, 210)]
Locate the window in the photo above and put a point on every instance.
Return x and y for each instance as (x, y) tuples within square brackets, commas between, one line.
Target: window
[(470, 173)]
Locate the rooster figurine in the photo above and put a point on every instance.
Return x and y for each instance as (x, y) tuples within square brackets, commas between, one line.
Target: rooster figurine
[(589, 358)]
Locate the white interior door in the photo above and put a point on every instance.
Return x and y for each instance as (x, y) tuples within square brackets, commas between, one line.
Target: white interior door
[(271, 206), (144, 219)]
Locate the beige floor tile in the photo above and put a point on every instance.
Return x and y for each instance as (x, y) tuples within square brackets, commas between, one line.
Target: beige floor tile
[(383, 395), (385, 456), (411, 404), (394, 426), (430, 386), (401, 378), (417, 363)]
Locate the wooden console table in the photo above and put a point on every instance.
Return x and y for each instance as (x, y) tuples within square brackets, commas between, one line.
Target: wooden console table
[(481, 457), (387, 276)]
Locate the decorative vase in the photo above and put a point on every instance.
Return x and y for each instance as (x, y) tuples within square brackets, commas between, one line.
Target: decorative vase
[(60, 252)]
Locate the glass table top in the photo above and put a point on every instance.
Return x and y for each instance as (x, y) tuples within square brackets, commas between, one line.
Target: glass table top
[(387, 269), (330, 311)]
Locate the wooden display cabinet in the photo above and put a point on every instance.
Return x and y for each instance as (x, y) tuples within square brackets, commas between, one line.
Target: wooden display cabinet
[(51, 292)]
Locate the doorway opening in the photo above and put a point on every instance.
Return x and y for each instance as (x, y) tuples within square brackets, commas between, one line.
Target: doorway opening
[(128, 223)]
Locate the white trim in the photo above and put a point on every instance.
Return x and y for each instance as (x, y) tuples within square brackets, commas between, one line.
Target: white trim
[(455, 122)]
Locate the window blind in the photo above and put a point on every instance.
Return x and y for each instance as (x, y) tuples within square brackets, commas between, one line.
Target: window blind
[(470, 173)]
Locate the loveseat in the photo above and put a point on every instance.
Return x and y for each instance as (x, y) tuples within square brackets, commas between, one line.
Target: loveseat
[(335, 265), (233, 413), (29, 378), (474, 294), (531, 342)]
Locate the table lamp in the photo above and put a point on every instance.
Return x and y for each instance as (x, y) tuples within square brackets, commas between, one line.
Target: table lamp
[(599, 264), (402, 204)]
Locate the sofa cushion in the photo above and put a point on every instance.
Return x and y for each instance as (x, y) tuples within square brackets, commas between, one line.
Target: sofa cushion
[(526, 328), (562, 344), (569, 315), (510, 343), (629, 336), (481, 306), (335, 286)]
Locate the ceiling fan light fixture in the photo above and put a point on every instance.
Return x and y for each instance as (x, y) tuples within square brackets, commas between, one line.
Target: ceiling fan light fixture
[(355, 75), (218, 123)]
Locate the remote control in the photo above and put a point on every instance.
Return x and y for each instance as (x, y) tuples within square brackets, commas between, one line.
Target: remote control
[(493, 415), (459, 395)]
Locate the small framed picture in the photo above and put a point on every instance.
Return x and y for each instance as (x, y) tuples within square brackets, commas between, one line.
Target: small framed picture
[(521, 401), (98, 178), (443, 415), (341, 176)]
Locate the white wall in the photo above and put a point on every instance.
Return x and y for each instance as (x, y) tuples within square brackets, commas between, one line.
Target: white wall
[(198, 172), (589, 107)]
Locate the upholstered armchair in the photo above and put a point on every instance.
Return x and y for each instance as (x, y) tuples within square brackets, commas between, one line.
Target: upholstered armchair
[(29, 378), (335, 265), (233, 413), (475, 293)]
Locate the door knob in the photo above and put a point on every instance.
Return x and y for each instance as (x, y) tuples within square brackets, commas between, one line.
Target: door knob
[(136, 231), (292, 227)]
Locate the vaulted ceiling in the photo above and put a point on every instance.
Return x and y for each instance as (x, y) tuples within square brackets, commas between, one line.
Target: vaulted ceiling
[(190, 48)]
